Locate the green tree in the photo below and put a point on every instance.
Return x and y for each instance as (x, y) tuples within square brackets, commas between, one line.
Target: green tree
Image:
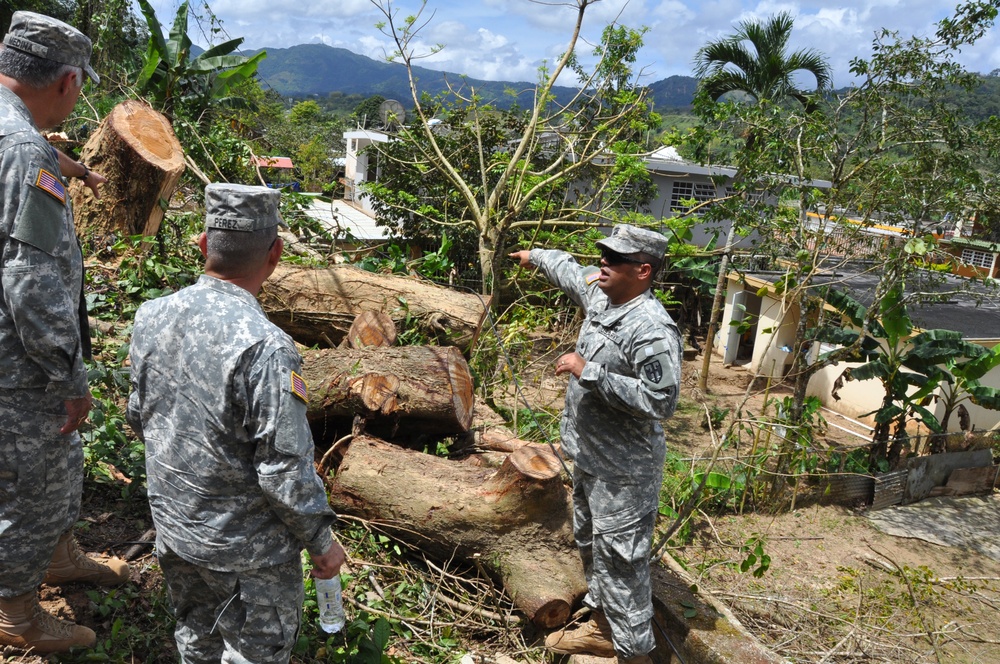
[(551, 165), (895, 151), (174, 81), (765, 74)]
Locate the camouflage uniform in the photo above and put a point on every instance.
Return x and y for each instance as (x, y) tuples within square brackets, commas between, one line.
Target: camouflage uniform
[(41, 352), (611, 430), (229, 460)]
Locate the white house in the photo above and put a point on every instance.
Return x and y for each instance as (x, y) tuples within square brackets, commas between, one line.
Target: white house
[(765, 348)]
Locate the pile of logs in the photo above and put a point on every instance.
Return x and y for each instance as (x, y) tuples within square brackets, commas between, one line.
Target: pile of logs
[(374, 406)]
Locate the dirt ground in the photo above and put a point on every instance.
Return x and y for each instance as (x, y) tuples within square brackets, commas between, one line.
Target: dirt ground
[(837, 589)]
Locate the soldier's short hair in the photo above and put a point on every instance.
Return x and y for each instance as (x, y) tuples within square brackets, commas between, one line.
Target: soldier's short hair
[(32, 71), (232, 252)]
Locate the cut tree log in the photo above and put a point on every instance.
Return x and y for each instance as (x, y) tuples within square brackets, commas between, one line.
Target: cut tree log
[(426, 388), (136, 149), (516, 521), (371, 328), (318, 306)]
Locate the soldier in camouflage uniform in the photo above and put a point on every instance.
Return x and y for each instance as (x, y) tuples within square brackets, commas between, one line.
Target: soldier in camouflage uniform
[(44, 337), (218, 400), (625, 375)]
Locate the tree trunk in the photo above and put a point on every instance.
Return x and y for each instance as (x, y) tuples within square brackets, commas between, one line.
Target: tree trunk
[(717, 301), (318, 306), (426, 388), (136, 149), (371, 329), (516, 521)]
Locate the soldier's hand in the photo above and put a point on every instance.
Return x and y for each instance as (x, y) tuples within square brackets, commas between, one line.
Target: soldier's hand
[(76, 413), (328, 564), (521, 257), (570, 363), (93, 181)]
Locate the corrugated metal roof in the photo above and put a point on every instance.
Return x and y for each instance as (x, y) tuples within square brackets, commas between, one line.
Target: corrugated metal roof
[(340, 218), (273, 162)]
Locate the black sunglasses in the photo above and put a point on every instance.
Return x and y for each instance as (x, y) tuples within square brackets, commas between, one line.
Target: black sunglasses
[(614, 258)]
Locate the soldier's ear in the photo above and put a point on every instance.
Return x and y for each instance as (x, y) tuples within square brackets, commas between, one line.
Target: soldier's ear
[(203, 244)]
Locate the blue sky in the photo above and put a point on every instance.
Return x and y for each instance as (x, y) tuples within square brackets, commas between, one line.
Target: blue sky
[(508, 39)]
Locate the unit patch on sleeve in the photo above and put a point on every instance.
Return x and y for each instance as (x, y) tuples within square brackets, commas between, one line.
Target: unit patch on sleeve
[(299, 387), (50, 184), (655, 365)]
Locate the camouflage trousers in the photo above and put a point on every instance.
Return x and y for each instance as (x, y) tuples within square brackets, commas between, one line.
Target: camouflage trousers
[(233, 617), (613, 525), (41, 481)]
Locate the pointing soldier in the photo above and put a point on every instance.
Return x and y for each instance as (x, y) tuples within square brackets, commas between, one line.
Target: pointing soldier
[(44, 338), (625, 376), (218, 400)]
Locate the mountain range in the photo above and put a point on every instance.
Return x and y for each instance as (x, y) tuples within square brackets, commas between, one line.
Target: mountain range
[(318, 69)]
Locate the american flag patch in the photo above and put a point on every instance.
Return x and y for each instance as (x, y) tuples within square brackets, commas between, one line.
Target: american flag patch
[(299, 387), (50, 183)]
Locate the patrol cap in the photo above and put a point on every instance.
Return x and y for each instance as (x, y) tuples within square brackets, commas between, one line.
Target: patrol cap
[(241, 207), (627, 239), (51, 39)]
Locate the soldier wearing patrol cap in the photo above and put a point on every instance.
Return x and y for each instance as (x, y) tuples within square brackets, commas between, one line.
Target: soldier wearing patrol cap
[(44, 338), (625, 376), (218, 400)]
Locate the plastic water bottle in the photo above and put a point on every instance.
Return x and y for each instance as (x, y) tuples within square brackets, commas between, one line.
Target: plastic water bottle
[(331, 604)]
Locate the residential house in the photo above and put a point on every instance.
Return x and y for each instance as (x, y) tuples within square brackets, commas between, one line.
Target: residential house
[(765, 348)]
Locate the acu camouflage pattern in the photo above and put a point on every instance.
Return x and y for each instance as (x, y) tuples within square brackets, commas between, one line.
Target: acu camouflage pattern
[(250, 616), (241, 207), (48, 38), (611, 430), (41, 266), (41, 470), (611, 423), (229, 453), (41, 482)]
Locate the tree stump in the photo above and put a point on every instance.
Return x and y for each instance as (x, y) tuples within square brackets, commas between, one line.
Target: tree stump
[(426, 389), (136, 149), (317, 306), (515, 521)]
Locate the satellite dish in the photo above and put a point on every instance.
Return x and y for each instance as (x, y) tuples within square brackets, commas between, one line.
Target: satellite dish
[(392, 113)]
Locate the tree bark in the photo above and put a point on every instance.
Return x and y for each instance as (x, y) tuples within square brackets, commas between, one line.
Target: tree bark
[(318, 306), (515, 521), (136, 149), (422, 389)]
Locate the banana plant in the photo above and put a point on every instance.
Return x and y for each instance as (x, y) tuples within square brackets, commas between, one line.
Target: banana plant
[(171, 79), (909, 367)]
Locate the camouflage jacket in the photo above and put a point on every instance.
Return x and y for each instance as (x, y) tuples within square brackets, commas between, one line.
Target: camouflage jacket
[(610, 427), (41, 267), (229, 455)]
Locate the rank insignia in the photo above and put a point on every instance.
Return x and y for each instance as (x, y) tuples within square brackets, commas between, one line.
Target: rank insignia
[(51, 185), (299, 387)]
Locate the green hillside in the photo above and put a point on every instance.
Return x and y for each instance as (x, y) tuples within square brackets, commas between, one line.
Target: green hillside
[(317, 69)]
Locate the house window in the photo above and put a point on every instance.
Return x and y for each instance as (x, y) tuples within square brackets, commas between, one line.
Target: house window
[(685, 190), (982, 259)]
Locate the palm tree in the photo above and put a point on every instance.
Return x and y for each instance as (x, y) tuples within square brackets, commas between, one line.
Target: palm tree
[(766, 71)]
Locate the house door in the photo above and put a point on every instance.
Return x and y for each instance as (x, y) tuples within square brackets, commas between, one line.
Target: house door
[(733, 338)]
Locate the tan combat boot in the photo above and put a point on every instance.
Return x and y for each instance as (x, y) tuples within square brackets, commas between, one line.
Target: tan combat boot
[(69, 563), (27, 626), (591, 638)]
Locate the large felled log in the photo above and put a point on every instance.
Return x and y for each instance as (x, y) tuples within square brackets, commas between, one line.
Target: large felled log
[(426, 388), (136, 149), (318, 306), (517, 519)]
